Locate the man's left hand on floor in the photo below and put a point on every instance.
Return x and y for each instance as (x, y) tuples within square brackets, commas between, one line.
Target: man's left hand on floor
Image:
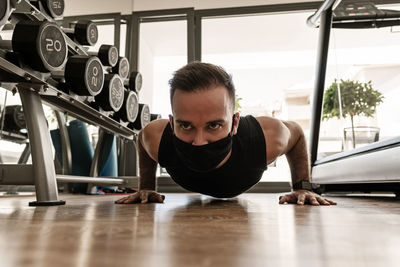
[(302, 197)]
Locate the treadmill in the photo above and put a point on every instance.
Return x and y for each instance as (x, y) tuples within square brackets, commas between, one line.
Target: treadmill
[(374, 167)]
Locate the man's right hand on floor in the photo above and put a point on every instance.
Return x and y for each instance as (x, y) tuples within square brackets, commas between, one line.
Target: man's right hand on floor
[(143, 196)]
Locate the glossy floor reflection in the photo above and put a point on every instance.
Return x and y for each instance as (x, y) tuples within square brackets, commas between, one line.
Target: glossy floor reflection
[(193, 230)]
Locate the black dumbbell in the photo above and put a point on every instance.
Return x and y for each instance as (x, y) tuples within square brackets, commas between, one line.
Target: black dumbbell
[(54, 8), (122, 67), (135, 82), (14, 119), (4, 12), (111, 97), (154, 117), (85, 32), (142, 119), (41, 43), (130, 108), (84, 75), (108, 55)]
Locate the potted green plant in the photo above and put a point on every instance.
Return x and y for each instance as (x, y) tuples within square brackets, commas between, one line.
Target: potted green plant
[(238, 107), (357, 99)]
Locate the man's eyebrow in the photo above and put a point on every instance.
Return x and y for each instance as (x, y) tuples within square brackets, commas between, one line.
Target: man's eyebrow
[(209, 122), (182, 121), (216, 121)]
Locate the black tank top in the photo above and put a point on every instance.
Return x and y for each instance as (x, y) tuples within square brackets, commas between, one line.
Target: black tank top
[(242, 170)]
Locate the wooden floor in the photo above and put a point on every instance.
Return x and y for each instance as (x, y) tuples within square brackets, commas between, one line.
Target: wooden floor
[(193, 230)]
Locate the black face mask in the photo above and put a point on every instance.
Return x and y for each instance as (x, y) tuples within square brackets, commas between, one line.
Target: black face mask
[(206, 157)]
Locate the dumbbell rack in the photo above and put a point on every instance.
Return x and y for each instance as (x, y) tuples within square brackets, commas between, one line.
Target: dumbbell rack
[(34, 90)]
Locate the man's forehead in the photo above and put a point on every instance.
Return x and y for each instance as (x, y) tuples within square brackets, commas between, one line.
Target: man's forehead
[(202, 100), (221, 120)]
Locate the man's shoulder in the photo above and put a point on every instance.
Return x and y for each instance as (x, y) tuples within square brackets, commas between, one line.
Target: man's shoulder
[(267, 122), (155, 128), (151, 137), (276, 135)]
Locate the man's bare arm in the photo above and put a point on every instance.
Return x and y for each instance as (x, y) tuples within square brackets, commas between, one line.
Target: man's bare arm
[(147, 167), (297, 157), (147, 145), (296, 153), (287, 138)]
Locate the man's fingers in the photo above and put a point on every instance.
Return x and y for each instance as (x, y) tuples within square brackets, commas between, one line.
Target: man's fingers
[(127, 200), (301, 199), (313, 201), (331, 202), (322, 201), (121, 200), (131, 199), (289, 198), (305, 197), (154, 197), (283, 199), (144, 196)]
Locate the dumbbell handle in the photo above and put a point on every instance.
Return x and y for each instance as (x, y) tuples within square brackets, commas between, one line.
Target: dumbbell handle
[(68, 30), (93, 53), (6, 44), (126, 85), (58, 75)]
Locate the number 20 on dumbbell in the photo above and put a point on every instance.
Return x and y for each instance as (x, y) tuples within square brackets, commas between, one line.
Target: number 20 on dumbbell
[(41, 43)]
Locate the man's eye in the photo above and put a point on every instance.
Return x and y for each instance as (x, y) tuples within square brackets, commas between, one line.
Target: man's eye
[(214, 126), (185, 126)]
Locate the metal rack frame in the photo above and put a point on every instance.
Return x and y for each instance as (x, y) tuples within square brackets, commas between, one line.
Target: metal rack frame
[(41, 173), (34, 90)]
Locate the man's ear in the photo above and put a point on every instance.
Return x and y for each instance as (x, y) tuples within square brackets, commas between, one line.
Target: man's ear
[(236, 122), (171, 121)]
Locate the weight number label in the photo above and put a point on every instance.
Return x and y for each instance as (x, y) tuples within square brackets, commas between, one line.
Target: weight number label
[(93, 33), (57, 5), (53, 45), (95, 73), (113, 56)]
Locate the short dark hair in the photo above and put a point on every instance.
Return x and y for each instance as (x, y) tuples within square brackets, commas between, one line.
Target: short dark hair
[(201, 76)]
